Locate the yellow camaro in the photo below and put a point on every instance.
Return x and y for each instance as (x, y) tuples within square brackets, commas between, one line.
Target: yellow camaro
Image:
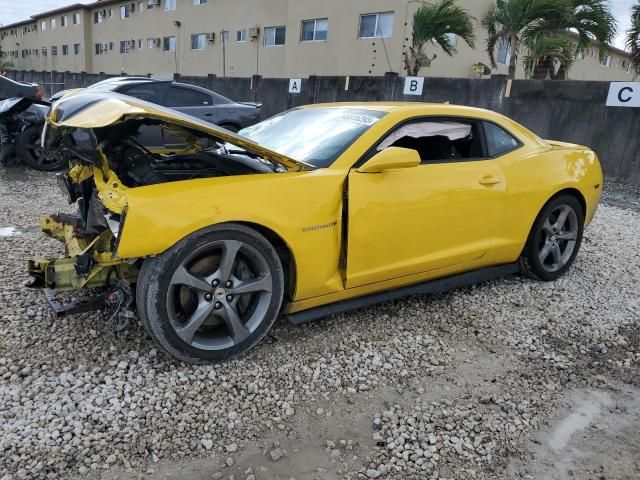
[(211, 234)]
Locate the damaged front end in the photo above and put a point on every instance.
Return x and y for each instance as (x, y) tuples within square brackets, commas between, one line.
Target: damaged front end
[(116, 144)]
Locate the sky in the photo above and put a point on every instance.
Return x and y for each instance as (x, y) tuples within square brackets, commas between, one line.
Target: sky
[(17, 10)]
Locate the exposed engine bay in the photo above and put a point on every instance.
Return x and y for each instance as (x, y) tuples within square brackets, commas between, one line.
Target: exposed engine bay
[(104, 163)]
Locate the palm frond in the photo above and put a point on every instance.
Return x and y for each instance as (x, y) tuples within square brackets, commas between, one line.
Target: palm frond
[(633, 37), (548, 52)]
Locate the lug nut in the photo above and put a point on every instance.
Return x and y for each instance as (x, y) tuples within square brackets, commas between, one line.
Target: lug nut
[(218, 305), (229, 284), (215, 283), (229, 297), (208, 297)]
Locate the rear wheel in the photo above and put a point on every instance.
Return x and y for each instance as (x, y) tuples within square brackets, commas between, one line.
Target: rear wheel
[(212, 296), (31, 153), (555, 238)]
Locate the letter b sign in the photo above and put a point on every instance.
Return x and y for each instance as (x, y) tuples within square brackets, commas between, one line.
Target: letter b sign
[(413, 85)]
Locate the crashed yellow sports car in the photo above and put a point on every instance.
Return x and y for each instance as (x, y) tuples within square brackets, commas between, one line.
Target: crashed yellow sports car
[(210, 235)]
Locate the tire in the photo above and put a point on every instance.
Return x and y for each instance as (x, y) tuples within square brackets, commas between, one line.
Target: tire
[(31, 154), (230, 127), (212, 296), (555, 239)]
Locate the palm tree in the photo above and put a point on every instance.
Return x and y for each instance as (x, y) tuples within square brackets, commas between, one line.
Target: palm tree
[(633, 38), (513, 21), (592, 20), (436, 24), (545, 54)]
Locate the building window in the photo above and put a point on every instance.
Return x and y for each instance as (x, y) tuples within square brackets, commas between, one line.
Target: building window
[(76, 48), (53, 24), (43, 25), (376, 25), (199, 2), (606, 60), (314, 30), (54, 50), (169, 5), (625, 65), (124, 12), (503, 51), (76, 18), (140, 43), (169, 44), (99, 49), (151, 42), (110, 12), (65, 49), (198, 41), (241, 35), (97, 17), (110, 45), (224, 36), (63, 21), (44, 51), (140, 7), (579, 54), (124, 46), (274, 36)]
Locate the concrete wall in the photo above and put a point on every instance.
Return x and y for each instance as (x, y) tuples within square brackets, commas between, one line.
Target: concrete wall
[(341, 53), (571, 111)]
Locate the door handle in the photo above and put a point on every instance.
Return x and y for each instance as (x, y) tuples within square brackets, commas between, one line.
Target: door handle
[(489, 180)]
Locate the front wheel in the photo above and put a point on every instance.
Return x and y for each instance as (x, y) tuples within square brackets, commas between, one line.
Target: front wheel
[(212, 296), (555, 238)]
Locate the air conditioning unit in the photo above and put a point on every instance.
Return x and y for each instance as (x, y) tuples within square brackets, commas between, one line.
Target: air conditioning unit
[(132, 8), (254, 32), (211, 37), (157, 42), (132, 43)]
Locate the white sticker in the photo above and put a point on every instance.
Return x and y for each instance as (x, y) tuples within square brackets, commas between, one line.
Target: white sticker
[(624, 94), (295, 85), (413, 85)]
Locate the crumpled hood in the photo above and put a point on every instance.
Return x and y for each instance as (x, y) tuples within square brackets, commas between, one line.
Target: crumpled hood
[(90, 110)]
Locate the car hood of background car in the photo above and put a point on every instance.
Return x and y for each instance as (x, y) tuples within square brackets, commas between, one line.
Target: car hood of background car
[(19, 104), (102, 109)]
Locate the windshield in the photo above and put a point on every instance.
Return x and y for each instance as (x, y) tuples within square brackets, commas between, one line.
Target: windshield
[(313, 135)]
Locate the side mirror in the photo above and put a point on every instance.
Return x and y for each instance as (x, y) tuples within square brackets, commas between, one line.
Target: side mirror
[(391, 158)]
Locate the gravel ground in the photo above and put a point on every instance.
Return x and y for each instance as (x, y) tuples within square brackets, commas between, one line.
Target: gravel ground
[(509, 379)]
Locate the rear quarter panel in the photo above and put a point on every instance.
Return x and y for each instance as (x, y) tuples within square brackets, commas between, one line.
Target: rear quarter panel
[(533, 179)]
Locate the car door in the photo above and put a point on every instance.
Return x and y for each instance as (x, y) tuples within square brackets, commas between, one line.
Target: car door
[(441, 213), (151, 136), (191, 101)]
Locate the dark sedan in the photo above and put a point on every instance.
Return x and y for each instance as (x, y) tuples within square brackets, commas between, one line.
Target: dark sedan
[(190, 99)]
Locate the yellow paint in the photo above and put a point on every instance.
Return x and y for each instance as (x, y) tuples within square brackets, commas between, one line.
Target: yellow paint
[(405, 225)]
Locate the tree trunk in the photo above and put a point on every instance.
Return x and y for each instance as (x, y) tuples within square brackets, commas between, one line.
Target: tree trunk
[(561, 74), (513, 63), (543, 69)]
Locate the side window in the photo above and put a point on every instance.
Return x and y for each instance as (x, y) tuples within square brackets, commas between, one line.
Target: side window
[(438, 140), (148, 92), (184, 97), (499, 141)]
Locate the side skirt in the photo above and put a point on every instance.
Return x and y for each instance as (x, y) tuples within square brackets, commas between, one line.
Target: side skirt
[(432, 286)]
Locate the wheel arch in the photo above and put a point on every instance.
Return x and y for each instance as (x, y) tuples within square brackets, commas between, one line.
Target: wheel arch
[(574, 192), (285, 253)]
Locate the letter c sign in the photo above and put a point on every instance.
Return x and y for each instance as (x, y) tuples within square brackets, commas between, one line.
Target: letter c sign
[(624, 94)]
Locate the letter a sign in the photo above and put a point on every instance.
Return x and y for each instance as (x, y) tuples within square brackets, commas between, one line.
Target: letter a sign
[(624, 94), (295, 85), (413, 85)]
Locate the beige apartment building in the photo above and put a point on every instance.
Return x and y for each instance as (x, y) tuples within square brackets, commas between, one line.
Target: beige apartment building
[(272, 38)]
